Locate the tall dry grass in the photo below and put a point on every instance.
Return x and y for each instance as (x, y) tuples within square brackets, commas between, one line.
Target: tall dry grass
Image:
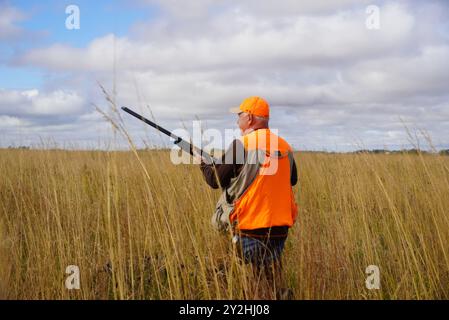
[(138, 227)]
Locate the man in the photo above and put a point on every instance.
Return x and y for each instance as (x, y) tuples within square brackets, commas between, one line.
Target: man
[(256, 175)]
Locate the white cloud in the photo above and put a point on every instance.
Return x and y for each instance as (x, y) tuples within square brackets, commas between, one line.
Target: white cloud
[(9, 122), (325, 74), (35, 103), (258, 8), (258, 44), (401, 78)]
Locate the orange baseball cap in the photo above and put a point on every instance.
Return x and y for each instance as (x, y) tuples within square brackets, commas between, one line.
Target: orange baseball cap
[(254, 105)]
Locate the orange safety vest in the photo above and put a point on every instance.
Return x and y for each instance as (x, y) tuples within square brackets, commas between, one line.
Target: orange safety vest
[(269, 200)]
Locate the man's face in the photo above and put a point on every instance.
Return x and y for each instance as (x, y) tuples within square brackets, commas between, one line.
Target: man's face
[(243, 121)]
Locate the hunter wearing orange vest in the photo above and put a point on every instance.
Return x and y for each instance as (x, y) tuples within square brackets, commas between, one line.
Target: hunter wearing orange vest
[(256, 175)]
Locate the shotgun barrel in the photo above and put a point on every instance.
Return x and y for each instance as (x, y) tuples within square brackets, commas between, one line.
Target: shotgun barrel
[(183, 144)]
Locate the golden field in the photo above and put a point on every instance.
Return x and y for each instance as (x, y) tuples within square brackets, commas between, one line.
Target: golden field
[(139, 227)]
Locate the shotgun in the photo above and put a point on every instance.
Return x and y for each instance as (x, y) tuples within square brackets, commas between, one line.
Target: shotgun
[(184, 145)]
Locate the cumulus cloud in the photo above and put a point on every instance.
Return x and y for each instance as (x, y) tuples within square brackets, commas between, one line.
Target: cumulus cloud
[(33, 102), (255, 43), (10, 122), (57, 118), (328, 78), (263, 9)]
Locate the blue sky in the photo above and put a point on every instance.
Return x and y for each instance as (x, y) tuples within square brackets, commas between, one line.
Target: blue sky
[(45, 22), (97, 18), (332, 83)]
